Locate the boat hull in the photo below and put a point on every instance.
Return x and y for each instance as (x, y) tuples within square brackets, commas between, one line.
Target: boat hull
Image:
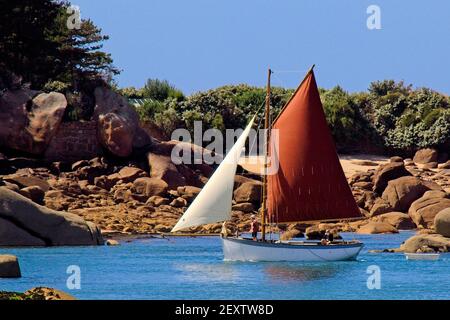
[(422, 256), (239, 249)]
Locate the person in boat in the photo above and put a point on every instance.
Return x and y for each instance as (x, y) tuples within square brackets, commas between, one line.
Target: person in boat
[(254, 228), (327, 238), (224, 231)]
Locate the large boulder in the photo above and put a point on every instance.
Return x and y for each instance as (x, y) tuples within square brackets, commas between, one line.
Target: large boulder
[(14, 236), (117, 123), (417, 243), (9, 266), (28, 120), (442, 222), (162, 167), (380, 206), (402, 192), (45, 117), (424, 210), (424, 156), (150, 186), (375, 227), (399, 220), (386, 173), (248, 192), (38, 225)]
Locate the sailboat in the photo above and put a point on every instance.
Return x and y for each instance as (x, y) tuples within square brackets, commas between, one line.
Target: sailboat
[(309, 185)]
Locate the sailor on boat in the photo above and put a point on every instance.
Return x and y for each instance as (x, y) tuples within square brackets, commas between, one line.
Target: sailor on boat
[(254, 228)]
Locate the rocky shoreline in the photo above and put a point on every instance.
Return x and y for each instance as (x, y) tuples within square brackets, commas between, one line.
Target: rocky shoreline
[(131, 187), (126, 202)]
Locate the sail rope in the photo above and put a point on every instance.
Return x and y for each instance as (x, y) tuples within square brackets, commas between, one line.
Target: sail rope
[(290, 71)]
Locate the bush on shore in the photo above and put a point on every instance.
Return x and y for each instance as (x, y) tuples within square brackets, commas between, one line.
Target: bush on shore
[(390, 117)]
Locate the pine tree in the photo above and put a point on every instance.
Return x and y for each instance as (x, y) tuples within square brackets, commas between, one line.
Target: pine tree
[(36, 44)]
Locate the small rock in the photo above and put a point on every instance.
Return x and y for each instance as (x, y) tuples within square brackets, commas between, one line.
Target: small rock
[(156, 201), (9, 266), (79, 164), (178, 202), (112, 242), (150, 186), (244, 207), (396, 159)]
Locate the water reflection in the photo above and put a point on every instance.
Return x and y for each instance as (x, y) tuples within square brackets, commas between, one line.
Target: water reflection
[(198, 272), (300, 273)]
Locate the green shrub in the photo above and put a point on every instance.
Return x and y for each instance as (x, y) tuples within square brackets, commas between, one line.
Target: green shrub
[(390, 116), (161, 90)]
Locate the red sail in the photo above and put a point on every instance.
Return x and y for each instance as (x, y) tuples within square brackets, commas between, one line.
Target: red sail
[(310, 183)]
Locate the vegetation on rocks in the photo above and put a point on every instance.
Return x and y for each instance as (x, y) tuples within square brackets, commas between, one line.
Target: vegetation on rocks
[(390, 118), (39, 293)]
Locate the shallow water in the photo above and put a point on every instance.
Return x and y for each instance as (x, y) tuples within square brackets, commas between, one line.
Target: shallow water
[(192, 268)]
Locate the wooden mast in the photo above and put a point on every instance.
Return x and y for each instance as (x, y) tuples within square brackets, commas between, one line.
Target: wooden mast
[(267, 128)]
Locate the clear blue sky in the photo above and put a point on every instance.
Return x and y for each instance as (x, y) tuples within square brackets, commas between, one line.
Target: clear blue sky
[(202, 44)]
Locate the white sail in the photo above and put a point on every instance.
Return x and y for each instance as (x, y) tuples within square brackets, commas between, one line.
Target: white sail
[(213, 203)]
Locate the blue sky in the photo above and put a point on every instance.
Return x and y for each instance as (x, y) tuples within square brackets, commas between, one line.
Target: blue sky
[(202, 44)]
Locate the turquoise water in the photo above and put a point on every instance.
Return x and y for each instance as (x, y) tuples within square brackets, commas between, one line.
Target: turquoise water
[(192, 268)]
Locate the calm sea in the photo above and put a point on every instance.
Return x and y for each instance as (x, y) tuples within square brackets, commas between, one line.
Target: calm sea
[(192, 268)]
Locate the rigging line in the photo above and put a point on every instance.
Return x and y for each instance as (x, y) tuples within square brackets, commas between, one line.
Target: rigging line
[(258, 126), (279, 80), (290, 71)]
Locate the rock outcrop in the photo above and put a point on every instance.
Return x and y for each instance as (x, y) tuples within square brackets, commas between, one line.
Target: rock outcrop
[(386, 173), (44, 293), (421, 242), (162, 167), (375, 227), (442, 222), (9, 266), (29, 120), (424, 210), (424, 156), (248, 192), (40, 293), (118, 123), (402, 192), (399, 220), (25, 223)]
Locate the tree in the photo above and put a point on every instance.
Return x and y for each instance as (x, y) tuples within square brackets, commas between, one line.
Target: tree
[(25, 48), (36, 44)]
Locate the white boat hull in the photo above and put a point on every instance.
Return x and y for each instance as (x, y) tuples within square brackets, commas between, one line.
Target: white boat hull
[(422, 256), (239, 249)]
